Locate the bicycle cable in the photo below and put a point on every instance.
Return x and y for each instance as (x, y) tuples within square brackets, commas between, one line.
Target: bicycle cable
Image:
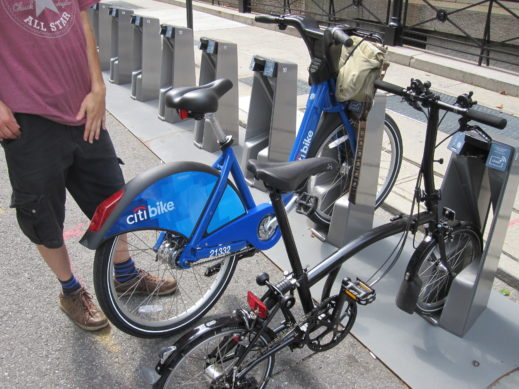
[(403, 238)]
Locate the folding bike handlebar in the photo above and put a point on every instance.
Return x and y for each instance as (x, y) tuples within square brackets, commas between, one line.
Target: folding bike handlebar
[(428, 99)]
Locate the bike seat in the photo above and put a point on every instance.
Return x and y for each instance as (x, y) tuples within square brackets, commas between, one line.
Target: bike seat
[(198, 99), (286, 177)]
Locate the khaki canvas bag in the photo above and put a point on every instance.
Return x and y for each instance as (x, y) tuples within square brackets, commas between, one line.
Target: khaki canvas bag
[(358, 71)]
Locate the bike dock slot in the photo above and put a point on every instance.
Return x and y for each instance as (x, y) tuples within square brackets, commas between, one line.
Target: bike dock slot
[(271, 121), (121, 46), (105, 35), (481, 191), (353, 213), (145, 80), (93, 13), (178, 65), (219, 60)]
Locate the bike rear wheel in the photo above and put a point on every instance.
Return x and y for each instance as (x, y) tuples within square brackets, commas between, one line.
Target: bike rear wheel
[(463, 246), (151, 315), (209, 361), (331, 141)]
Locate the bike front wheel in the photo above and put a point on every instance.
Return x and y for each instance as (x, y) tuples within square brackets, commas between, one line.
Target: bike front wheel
[(211, 361), (331, 141), (463, 246), (148, 314)]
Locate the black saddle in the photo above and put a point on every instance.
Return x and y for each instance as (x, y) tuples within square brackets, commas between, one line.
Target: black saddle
[(198, 99), (286, 177)]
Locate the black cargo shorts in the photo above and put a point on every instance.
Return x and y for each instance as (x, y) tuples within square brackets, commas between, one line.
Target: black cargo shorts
[(45, 160)]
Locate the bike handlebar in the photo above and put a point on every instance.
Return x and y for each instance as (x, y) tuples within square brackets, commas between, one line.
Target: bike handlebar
[(469, 113), (341, 37), (486, 118), (305, 27), (267, 19)]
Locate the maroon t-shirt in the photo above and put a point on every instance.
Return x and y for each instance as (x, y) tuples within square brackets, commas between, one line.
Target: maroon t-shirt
[(43, 61)]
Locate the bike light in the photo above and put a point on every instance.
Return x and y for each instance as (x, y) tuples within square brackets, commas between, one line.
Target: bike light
[(104, 210), (183, 114), (256, 305)]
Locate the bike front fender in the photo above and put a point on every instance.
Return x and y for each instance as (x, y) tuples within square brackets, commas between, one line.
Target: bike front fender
[(169, 197)]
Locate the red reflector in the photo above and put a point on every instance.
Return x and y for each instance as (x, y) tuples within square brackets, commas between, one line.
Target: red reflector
[(256, 305), (104, 210), (183, 114)]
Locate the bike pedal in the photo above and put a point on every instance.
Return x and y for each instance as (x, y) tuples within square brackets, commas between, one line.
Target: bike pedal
[(306, 204), (213, 269), (359, 291)]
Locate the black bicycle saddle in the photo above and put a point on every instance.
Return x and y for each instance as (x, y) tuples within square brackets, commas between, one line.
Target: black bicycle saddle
[(288, 176), (198, 99)]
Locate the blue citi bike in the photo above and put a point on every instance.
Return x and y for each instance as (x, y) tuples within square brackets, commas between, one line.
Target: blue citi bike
[(192, 222), (238, 350)]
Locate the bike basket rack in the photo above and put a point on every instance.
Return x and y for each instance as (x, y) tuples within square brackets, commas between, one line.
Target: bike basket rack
[(121, 46), (145, 64), (105, 35), (219, 60), (271, 122), (353, 213), (481, 191), (178, 66), (93, 13)]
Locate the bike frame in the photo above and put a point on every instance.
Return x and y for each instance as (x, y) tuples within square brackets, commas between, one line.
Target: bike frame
[(242, 232), (303, 280), (321, 99), (331, 265)]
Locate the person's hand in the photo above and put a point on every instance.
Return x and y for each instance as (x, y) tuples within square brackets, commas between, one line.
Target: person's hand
[(9, 127), (93, 108)]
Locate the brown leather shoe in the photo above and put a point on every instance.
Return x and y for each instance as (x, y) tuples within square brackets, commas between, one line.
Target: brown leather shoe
[(82, 310), (146, 284)]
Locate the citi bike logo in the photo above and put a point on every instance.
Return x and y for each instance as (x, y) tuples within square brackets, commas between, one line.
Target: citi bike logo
[(142, 213), (306, 145)]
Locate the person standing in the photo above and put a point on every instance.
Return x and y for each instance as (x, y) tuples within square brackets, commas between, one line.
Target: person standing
[(52, 130)]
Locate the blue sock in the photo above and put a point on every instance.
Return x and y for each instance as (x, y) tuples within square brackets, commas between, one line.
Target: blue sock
[(125, 271), (70, 286)]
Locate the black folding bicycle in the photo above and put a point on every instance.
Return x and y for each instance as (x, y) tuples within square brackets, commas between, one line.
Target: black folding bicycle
[(238, 350)]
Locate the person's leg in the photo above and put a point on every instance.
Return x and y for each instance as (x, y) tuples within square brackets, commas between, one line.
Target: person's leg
[(37, 163), (58, 261), (75, 301), (94, 176)]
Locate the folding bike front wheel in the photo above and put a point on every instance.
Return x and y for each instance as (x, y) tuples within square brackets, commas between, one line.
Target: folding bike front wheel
[(463, 246)]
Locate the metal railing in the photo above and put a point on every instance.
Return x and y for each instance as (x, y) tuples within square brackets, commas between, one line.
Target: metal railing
[(485, 32)]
